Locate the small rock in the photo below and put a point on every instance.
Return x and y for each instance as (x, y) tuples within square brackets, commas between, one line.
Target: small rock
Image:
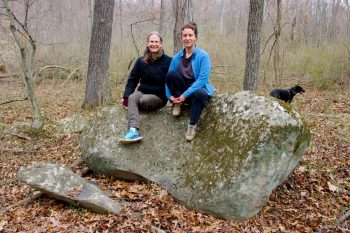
[(73, 124)]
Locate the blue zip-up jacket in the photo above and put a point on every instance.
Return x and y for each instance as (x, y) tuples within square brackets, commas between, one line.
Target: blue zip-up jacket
[(201, 66)]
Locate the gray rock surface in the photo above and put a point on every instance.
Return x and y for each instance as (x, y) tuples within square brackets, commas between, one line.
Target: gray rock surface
[(25, 130), (245, 146), (63, 184), (73, 124)]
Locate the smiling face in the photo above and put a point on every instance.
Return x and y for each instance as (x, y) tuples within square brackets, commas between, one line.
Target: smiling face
[(188, 38), (154, 43)]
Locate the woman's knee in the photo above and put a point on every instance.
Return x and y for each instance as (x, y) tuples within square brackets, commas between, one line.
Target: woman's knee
[(135, 96), (151, 102), (200, 94)]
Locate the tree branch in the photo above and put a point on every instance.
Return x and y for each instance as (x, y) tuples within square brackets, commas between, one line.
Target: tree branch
[(69, 76), (8, 75), (132, 34), (48, 67), (274, 33)]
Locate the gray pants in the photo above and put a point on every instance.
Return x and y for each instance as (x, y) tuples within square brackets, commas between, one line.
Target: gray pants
[(146, 102)]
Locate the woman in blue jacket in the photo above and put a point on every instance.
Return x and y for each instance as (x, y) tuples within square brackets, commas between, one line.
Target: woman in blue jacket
[(188, 78)]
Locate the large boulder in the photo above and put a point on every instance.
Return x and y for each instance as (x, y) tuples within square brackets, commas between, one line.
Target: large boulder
[(245, 146), (63, 184)]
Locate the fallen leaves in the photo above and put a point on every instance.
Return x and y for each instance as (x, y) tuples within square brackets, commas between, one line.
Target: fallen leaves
[(75, 191), (332, 187), (311, 199)]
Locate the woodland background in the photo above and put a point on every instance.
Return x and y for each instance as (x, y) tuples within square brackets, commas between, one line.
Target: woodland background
[(314, 52)]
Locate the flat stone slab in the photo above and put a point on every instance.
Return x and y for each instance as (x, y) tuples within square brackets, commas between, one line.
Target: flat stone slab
[(63, 184)]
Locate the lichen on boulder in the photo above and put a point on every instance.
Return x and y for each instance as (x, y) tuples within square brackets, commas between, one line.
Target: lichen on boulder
[(245, 146)]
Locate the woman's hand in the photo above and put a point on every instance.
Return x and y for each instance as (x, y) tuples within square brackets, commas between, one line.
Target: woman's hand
[(124, 102), (172, 98), (179, 100)]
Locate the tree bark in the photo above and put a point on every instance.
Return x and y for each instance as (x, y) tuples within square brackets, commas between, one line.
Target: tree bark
[(256, 10), (90, 15), (182, 9), (348, 17), (162, 17), (188, 11), (222, 16), (333, 23), (292, 32), (97, 91), (276, 57), (121, 19)]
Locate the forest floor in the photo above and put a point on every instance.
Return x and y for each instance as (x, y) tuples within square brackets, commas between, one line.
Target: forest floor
[(311, 199)]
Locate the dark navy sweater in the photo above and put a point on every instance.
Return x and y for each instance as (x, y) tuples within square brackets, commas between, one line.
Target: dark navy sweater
[(151, 77)]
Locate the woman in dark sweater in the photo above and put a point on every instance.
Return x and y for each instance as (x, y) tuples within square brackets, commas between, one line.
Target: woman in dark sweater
[(149, 73)]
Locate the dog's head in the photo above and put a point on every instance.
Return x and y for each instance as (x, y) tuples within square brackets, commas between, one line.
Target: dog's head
[(298, 89)]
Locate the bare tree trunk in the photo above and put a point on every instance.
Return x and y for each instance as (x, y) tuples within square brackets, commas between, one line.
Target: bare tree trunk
[(181, 9), (121, 19), (305, 21), (189, 11), (90, 16), (292, 33), (97, 84), (276, 57), (162, 17), (222, 15), (348, 16), (27, 57), (256, 10), (333, 23)]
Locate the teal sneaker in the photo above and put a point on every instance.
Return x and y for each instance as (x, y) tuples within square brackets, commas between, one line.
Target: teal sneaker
[(131, 136)]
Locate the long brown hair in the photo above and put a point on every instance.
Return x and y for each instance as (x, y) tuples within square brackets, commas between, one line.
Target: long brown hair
[(147, 57)]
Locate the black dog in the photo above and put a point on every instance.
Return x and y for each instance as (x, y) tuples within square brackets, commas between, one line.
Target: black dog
[(287, 94)]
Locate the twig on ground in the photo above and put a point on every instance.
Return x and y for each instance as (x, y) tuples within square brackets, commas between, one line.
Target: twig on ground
[(24, 201), (12, 150), (15, 100), (8, 75), (77, 163), (220, 66), (343, 218)]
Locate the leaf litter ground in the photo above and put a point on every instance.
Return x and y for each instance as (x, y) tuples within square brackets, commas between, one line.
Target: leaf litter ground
[(311, 199)]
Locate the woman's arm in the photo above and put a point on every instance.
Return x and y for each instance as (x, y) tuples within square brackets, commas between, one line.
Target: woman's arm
[(134, 79)]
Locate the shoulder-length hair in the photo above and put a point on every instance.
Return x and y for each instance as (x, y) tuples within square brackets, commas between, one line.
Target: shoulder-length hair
[(147, 57)]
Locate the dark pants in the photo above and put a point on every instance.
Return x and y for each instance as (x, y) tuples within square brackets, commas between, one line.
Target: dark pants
[(177, 86)]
